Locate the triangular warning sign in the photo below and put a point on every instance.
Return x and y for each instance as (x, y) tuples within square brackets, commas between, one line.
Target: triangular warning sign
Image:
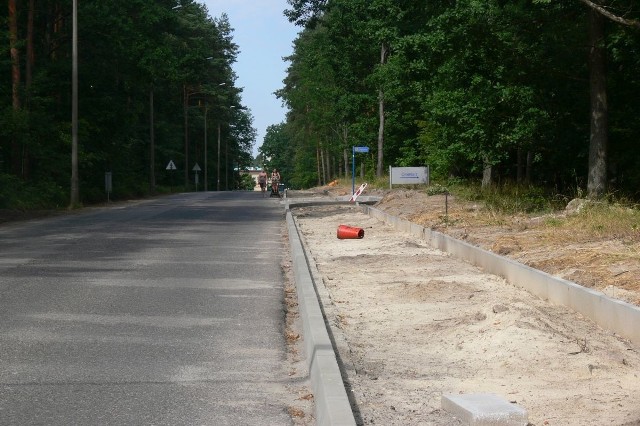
[(171, 165)]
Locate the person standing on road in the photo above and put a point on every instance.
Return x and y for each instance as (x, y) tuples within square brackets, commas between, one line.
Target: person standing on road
[(262, 181), (275, 180)]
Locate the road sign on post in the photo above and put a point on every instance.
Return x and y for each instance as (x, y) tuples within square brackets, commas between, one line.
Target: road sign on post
[(353, 165), (196, 169), (108, 183), (171, 166)]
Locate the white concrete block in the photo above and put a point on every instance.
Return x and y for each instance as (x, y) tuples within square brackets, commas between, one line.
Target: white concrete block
[(484, 409)]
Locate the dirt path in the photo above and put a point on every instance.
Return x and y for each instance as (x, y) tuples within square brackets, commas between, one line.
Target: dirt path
[(418, 323)]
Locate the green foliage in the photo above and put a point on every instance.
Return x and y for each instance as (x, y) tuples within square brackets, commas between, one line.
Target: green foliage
[(128, 51), (437, 189), (246, 183), (467, 85), (18, 195), (509, 198), (374, 182), (277, 153)]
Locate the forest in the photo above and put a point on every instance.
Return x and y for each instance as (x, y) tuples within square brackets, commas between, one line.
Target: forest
[(130, 98), (119, 98), (542, 93)]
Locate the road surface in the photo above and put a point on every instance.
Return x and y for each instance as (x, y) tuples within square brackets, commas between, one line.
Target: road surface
[(168, 311)]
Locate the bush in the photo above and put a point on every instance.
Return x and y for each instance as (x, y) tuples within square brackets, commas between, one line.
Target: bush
[(246, 183), (16, 194)]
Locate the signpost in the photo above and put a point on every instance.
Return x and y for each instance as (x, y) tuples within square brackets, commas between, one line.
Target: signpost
[(408, 175), (108, 183), (353, 165), (171, 166), (196, 169)]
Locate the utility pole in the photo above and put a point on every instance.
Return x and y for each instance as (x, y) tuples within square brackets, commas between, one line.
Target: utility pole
[(218, 186)]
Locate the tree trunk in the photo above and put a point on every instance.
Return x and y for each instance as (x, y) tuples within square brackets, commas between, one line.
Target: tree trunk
[(75, 177), (383, 58), (318, 161), (329, 160), (185, 106), (323, 166), (30, 54), (345, 155), (380, 134), (152, 146), (16, 155), (345, 152), (15, 58), (487, 178), (520, 166), (25, 154), (597, 177)]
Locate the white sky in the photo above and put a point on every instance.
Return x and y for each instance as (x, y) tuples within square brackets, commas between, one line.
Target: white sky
[(264, 37)]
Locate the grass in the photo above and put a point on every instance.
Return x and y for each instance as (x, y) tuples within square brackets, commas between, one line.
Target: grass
[(606, 220), (613, 218)]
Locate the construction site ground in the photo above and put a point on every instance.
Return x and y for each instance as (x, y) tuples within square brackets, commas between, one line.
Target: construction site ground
[(413, 323)]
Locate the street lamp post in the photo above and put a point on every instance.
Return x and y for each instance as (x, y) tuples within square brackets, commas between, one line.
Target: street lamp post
[(187, 95), (226, 159), (186, 137), (206, 176), (218, 186), (226, 165)]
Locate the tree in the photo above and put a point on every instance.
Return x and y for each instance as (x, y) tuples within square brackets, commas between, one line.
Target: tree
[(15, 80), (599, 137), (134, 58), (278, 152)]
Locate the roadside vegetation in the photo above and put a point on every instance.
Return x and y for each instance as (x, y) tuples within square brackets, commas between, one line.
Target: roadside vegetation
[(504, 101), (486, 92), (557, 217), (156, 86)]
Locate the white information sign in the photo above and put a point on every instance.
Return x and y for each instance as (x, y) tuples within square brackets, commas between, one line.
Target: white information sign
[(408, 175)]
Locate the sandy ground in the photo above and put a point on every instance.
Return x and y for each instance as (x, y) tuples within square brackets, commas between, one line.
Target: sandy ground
[(413, 323)]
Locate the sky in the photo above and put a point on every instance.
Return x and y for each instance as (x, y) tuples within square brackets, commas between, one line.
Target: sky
[(264, 37)]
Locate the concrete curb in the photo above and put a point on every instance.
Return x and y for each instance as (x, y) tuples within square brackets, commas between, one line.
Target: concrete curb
[(617, 316), (331, 401)]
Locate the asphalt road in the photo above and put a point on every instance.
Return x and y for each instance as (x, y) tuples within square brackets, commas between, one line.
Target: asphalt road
[(163, 312)]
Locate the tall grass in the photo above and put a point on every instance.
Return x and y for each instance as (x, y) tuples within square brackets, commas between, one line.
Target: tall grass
[(615, 220), (509, 198), (610, 218)]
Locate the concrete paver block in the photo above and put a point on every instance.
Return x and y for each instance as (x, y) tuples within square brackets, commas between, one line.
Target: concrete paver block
[(484, 409)]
